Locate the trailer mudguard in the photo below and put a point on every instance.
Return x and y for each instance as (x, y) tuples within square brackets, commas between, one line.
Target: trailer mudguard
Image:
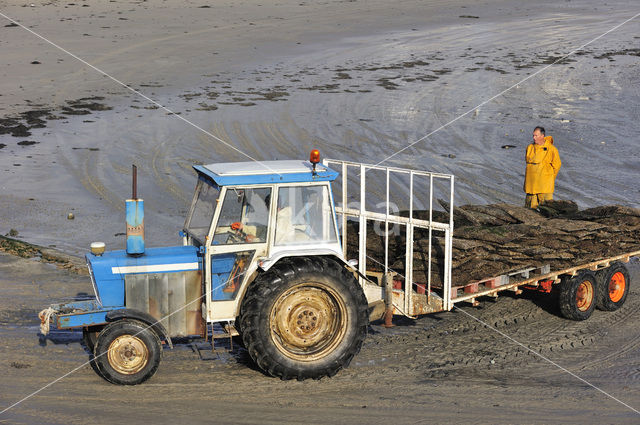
[(129, 313)]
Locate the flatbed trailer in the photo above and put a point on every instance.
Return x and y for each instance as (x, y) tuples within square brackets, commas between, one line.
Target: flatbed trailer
[(603, 282), (539, 278)]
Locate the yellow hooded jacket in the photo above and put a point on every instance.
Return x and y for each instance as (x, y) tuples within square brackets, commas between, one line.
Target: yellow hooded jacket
[(543, 164)]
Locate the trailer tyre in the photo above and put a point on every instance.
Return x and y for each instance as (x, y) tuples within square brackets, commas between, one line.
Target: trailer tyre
[(613, 287), (127, 352), (578, 296), (304, 318)]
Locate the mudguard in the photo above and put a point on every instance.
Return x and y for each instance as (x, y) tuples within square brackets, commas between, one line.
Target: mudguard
[(129, 313)]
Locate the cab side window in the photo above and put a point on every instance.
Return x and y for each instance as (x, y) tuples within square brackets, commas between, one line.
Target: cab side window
[(244, 216), (304, 216)]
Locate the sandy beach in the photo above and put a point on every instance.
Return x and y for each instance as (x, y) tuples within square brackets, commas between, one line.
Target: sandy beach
[(440, 368), (453, 86)]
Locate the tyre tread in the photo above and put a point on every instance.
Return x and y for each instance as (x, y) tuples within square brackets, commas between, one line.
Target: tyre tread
[(270, 281), (567, 296), (143, 331), (603, 277)]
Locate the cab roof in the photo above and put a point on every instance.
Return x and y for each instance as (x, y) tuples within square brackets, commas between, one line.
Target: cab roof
[(265, 172)]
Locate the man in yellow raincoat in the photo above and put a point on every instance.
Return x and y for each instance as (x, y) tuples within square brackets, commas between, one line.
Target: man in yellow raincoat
[(543, 164)]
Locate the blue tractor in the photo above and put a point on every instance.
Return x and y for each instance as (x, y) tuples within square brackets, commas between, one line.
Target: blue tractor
[(261, 254)]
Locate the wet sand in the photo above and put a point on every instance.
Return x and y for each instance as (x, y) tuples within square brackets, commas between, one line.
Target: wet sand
[(358, 80), (437, 369)]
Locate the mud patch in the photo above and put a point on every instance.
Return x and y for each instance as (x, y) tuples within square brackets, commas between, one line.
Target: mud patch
[(624, 52), (26, 250), (388, 84), (342, 76), (271, 95), (206, 107), (237, 103), (74, 111), (13, 127), (22, 124), (322, 88), (89, 103), (190, 96), (227, 92), (491, 68)]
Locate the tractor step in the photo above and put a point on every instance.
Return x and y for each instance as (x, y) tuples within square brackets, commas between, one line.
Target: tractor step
[(221, 331)]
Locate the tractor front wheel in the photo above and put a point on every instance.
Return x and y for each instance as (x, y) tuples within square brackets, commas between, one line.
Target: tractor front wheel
[(127, 352), (304, 318)]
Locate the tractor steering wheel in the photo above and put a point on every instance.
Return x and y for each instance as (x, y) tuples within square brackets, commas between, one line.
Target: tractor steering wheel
[(238, 235)]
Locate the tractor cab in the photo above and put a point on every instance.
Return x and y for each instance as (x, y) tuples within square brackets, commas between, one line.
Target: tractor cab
[(247, 215)]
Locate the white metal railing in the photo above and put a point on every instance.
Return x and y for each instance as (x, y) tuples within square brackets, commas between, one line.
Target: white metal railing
[(344, 210)]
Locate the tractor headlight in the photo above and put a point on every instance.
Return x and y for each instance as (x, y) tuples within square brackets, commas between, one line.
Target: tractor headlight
[(97, 248)]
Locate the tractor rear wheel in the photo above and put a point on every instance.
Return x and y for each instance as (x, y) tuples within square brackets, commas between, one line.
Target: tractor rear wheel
[(127, 352), (578, 296), (304, 318), (613, 287)]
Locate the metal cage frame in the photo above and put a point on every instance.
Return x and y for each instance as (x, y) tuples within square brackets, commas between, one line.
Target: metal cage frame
[(363, 215)]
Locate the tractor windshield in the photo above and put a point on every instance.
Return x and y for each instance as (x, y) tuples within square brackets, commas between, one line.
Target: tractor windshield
[(199, 222)]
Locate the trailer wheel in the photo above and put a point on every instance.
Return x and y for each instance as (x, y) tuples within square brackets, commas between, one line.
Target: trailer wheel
[(578, 296), (613, 287), (127, 352), (304, 318)]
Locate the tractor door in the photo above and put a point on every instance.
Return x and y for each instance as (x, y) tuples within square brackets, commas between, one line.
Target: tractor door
[(239, 236)]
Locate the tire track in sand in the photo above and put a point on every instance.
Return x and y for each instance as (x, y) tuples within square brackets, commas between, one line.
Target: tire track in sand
[(460, 342)]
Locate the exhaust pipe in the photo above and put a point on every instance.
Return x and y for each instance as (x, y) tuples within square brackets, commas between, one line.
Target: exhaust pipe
[(134, 210)]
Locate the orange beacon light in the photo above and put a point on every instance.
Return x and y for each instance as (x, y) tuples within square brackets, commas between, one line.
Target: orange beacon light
[(314, 158)]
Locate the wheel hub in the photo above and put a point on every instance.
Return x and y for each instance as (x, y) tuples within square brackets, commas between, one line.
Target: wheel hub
[(584, 296), (616, 287), (307, 322), (128, 354)]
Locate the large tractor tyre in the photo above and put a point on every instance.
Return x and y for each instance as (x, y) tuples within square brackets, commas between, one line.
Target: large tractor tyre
[(127, 352), (304, 318), (578, 296), (613, 287), (238, 339)]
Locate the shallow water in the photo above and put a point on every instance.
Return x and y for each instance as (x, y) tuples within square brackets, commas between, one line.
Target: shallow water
[(359, 98)]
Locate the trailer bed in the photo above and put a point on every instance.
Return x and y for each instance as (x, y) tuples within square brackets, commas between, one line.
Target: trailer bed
[(428, 266)]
